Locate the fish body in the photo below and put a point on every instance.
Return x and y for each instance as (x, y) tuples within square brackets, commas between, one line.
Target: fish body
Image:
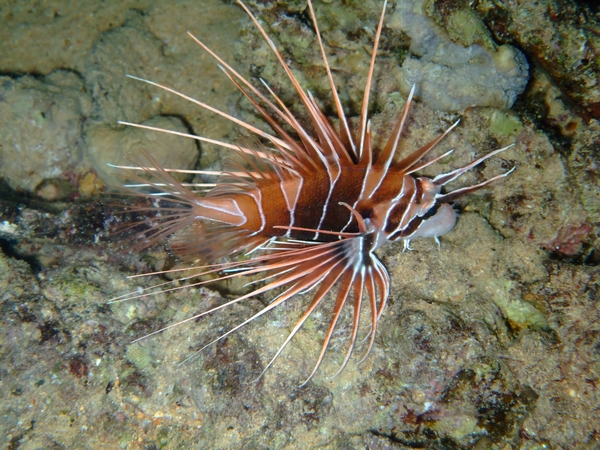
[(309, 205)]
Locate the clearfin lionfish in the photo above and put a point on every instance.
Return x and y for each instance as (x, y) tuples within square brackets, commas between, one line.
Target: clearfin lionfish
[(310, 205)]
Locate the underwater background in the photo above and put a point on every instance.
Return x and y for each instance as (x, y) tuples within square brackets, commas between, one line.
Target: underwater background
[(492, 341)]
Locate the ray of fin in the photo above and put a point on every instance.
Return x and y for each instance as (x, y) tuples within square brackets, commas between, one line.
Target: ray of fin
[(239, 122), (365, 104), (345, 135)]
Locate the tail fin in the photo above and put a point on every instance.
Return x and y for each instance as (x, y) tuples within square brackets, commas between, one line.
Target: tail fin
[(198, 227)]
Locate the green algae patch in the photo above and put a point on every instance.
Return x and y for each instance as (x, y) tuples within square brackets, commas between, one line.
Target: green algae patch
[(138, 356), (519, 313), (522, 314), (462, 24), (458, 426), (504, 125), (465, 27)]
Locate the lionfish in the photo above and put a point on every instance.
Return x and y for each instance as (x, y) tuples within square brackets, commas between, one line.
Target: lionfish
[(309, 206)]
